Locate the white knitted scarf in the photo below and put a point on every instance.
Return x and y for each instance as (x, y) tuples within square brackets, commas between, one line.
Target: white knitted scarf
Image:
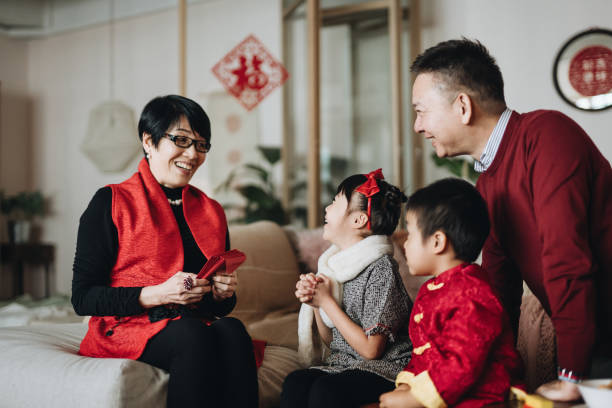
[(339, 266)]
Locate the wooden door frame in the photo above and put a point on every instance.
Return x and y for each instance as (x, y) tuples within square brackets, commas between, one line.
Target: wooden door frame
[(314, 20)]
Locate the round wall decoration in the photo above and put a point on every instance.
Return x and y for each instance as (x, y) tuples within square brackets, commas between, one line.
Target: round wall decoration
[(583, 70)]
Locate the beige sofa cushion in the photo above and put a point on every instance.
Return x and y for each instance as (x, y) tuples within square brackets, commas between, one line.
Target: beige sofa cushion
[(266, 283), (536, 342)]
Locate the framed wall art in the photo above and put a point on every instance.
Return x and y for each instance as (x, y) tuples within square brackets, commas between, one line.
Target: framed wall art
[(582, 71)]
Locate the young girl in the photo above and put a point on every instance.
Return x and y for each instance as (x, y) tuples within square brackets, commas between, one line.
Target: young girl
[(357, 300)]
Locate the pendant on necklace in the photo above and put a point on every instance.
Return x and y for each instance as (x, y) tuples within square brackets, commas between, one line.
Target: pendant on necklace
[(176, 202)]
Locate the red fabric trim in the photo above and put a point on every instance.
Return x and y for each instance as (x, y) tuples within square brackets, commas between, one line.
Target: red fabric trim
[(377, 325), (259, 348)]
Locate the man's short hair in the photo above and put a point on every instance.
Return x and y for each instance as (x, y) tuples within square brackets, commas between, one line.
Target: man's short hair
[(456, 208), (465, 66)]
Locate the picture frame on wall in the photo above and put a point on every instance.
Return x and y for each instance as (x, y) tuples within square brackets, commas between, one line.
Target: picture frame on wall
[(582, 71)]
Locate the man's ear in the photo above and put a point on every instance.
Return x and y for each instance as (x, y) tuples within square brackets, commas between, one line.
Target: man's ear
[(465, 106), (439, 242), (360, 219)]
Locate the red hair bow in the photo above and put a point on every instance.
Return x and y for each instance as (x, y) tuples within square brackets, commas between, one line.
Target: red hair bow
[(369, 188)]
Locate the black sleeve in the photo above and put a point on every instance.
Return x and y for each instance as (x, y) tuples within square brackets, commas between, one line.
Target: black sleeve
[(96, 253)]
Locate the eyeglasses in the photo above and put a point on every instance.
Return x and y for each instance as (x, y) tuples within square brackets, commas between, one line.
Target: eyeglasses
[(186, 142)]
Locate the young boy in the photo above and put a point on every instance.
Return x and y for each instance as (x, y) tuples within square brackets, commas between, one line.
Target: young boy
[(464, 353)]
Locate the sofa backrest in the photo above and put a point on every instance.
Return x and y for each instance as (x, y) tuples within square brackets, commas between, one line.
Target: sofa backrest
[(266, 283)]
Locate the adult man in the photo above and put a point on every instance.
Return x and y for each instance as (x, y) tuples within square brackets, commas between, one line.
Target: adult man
[(547, 189)]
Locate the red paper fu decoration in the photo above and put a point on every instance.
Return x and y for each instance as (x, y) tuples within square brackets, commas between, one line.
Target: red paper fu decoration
[(250, 72)]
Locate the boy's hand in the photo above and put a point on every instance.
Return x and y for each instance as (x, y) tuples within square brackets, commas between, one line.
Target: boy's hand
[(322, 291), (559, 390), (401, 397)]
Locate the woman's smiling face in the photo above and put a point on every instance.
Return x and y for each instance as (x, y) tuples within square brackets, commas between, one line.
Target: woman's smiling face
[(171, 165)]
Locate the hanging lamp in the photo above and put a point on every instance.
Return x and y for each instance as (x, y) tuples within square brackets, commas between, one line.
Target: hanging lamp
[(111, 141)]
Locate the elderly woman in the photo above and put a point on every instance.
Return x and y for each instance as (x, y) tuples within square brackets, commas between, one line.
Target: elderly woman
[(140, 243)]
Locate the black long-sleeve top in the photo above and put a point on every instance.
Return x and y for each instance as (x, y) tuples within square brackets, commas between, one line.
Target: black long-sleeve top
[(96, 253)]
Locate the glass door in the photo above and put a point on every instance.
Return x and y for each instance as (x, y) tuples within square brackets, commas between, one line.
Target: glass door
[(361, 80)]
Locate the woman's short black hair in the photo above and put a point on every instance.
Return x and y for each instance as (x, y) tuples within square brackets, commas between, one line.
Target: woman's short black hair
[(456, 208), (164, 111), (386, 206), (465, 66)]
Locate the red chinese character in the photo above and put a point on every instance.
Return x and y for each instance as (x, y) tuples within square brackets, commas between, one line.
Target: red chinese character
[(250, 72), (590, 71)]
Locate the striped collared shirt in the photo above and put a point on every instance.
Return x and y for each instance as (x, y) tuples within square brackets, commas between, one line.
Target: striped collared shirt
[(487, 156)]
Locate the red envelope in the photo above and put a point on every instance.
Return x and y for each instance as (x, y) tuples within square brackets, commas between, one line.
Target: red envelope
[(231, 259)]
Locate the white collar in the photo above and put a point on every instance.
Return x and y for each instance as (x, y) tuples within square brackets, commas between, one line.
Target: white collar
[(490, 150)]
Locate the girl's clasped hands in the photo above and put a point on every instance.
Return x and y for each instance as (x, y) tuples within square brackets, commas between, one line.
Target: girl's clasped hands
[(313, 289)]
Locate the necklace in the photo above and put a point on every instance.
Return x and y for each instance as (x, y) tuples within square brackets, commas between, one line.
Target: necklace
[(176, 202)]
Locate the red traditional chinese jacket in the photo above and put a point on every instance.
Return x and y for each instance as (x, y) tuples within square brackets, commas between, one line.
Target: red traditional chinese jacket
[(464, 353)]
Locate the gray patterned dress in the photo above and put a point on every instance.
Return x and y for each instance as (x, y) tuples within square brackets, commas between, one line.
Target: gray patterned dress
[(377, 301)]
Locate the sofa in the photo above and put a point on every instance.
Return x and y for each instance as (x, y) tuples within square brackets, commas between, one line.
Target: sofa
[(39, 364)]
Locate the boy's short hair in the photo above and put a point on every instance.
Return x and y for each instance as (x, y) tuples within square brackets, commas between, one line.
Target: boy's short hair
[(386, 205), (456, 208), (465, 66)]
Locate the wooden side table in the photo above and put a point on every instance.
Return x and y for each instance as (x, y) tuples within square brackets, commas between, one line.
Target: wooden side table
[(17, 255)]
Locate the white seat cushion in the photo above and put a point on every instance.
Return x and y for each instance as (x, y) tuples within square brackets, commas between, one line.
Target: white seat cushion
[(40, 367)]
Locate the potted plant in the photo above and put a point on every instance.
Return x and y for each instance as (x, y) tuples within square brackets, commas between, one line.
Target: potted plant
[(20, 210), (255, 184)]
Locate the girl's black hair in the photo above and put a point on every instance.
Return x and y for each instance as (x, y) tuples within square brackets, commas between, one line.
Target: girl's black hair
[(456, 208), (164, 111), (386, 205)]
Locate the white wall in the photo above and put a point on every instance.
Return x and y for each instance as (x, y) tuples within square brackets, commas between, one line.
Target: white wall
[(524, 36), (68, 75), (62, 77)]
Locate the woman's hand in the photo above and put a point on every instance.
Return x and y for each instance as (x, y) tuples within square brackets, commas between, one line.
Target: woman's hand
[(306, 287), (175, 290), (223, 286)]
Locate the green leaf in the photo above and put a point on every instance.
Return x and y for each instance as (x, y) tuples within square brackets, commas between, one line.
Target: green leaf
[(226, 185), (253, 193), (456, 166), (263, 173), (272, 154)]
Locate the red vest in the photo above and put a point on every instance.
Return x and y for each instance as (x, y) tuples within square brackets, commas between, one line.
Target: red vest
[(150, 251)]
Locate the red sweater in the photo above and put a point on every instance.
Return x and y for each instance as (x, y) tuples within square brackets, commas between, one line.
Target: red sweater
[(548, 195)]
